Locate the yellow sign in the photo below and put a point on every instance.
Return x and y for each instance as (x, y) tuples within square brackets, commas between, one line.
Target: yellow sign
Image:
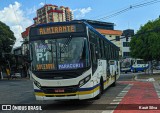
[(58, 29), (45, 66)]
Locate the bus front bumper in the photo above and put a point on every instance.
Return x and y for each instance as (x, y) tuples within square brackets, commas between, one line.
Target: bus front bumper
[(84, 93)]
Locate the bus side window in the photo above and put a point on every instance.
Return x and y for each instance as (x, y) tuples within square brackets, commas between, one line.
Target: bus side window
[(94, 46), (93, 54)]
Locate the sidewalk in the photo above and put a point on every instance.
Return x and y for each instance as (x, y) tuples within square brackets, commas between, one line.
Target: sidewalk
[(16, 76), (145, 77)]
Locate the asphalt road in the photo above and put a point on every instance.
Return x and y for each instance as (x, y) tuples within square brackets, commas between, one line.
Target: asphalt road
[(21, 92), (127, 77)]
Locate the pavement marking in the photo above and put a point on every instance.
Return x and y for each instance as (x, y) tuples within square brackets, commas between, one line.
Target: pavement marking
[(127, 88), (119, 97), (121, 94), (124, 91), (108, 111), (117, 100), (114, 102)]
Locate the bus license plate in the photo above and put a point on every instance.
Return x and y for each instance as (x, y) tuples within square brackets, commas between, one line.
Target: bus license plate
[(59, 90)]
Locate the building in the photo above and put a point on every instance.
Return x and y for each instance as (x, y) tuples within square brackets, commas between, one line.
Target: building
[(125, 39), (49, 13), (107, 29), (25, 34), (20, 65), (52, 13)]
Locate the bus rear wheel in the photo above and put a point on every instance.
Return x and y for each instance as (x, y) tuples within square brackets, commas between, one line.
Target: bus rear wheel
[(115, 79), (134, 71), (101, 89)]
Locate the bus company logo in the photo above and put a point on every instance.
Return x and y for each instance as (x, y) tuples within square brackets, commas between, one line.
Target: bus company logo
[(6, 107)]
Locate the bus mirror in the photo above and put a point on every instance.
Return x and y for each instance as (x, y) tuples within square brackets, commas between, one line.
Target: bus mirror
[(28, 60), (25, 49), (27, 57)]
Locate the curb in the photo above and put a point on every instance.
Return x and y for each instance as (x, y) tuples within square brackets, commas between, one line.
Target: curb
[(144, 80), (6, 79), (157, 85)]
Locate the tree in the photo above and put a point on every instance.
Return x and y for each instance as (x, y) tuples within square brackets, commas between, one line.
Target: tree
[(7, 39), (145, 44)]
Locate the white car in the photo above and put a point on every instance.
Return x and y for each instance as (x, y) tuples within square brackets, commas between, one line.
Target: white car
[(16, 75), (158, 67)]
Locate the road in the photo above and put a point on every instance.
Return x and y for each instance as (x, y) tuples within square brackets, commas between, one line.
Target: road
[(21, 92)]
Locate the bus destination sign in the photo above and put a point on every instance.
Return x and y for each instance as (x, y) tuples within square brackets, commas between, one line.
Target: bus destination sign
[(58, 29)]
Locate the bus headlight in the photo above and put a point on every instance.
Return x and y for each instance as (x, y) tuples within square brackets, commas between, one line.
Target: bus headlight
[(84, 81)]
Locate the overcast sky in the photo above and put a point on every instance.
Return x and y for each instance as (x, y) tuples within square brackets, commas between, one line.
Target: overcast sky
[(19, 14)]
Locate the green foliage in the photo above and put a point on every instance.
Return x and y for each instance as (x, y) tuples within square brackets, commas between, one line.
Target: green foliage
[(6, 37), (146, 43), (6, 40)]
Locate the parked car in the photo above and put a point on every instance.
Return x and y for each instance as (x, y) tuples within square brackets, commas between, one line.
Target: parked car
[(125, 69), (158, 67), (16, 75)]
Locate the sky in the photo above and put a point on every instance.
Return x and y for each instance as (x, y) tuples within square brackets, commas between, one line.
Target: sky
[(19, 14)]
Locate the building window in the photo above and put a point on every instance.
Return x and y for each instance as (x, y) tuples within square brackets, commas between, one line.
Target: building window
[(117, 38), (126, 54), (125, 44)]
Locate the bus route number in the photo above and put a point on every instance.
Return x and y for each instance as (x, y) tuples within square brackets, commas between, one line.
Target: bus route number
[(43, 57)]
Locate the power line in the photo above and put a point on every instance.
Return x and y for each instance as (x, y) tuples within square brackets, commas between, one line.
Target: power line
[(147, 3), (112, 12), (115, 14), (129, 8)]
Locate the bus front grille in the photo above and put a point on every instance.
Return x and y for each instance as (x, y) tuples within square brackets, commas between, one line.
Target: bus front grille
[(60, 95), (66, 89)]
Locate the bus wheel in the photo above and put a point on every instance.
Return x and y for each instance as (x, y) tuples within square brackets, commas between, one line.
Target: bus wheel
[(100, 90), (114, 83), (134, 70)]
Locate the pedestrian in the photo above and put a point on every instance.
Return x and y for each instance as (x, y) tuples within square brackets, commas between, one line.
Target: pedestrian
[(1, 74), (8, 73)]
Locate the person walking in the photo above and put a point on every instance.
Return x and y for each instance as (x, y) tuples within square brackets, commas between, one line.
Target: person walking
[(8, 73), (1, 73)]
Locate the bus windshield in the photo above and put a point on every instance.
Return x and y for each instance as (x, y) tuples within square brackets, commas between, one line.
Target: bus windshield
[(60, 54), (141, 62)]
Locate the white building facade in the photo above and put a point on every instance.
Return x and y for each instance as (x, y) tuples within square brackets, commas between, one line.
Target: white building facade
[(125, 40)]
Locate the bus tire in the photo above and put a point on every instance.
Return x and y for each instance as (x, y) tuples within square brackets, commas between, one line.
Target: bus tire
[(114, 83), (101, 89)]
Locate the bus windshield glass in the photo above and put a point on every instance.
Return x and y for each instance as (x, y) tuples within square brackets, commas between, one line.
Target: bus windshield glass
[(60, 54), (141, 62)]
